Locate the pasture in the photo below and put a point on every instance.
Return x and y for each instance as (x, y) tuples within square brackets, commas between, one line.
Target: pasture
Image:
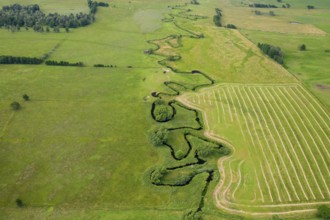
[(80, 147)]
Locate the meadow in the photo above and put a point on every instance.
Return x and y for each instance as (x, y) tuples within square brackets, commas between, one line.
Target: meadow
[(80, 149)]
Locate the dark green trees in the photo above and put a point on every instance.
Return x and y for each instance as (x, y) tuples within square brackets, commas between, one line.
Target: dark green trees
[(31, 16), (217, 17), (19, 60), (162, 112), (231, 26), (272, 51)]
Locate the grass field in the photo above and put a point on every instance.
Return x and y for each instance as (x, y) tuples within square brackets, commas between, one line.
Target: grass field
[(79, 148), (280, 134)]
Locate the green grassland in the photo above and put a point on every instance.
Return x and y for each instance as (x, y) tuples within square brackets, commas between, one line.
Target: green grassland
[(79, 149)]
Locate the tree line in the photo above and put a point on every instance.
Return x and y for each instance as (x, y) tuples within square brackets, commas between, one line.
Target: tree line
[(17, 15), (19, 60), (260, 5), (273, 52), (62, 63)]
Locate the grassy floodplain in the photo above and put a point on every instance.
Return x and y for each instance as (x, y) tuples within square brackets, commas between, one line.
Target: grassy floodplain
[(80, 149)]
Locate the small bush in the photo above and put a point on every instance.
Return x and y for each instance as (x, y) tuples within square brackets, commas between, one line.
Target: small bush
[(26, 97), (19, 203), (15, 106), (231, 26), (302, 47)]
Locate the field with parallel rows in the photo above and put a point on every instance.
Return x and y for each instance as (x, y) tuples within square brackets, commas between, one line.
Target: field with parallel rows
[(280, 138)]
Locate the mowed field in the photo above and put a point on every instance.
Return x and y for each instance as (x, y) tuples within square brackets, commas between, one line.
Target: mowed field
[(280, 137)]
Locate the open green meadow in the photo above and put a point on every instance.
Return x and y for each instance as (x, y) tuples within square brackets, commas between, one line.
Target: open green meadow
[(246, 137)]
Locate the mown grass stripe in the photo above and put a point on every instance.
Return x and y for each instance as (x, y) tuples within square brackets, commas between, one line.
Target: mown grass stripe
[(267, 143), (295, 135), (316, 122), (222, 106), (303, 137), (317, 104), (234, 107), (312, 138), (228, 105), (278, 109), (217, 106), (264, 156), (282, 144)]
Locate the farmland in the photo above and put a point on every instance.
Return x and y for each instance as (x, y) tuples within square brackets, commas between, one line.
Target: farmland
[(245, 136), (269, 123)]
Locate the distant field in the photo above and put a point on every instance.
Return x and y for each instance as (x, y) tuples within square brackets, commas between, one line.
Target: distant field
[(52, 6), (280, 136), (289, 28)]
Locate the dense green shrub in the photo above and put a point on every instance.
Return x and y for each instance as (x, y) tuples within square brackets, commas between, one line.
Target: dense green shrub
[(163, 113), (19, 203), (231, 26), (323, 212), (158, 135), (157, 175)]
